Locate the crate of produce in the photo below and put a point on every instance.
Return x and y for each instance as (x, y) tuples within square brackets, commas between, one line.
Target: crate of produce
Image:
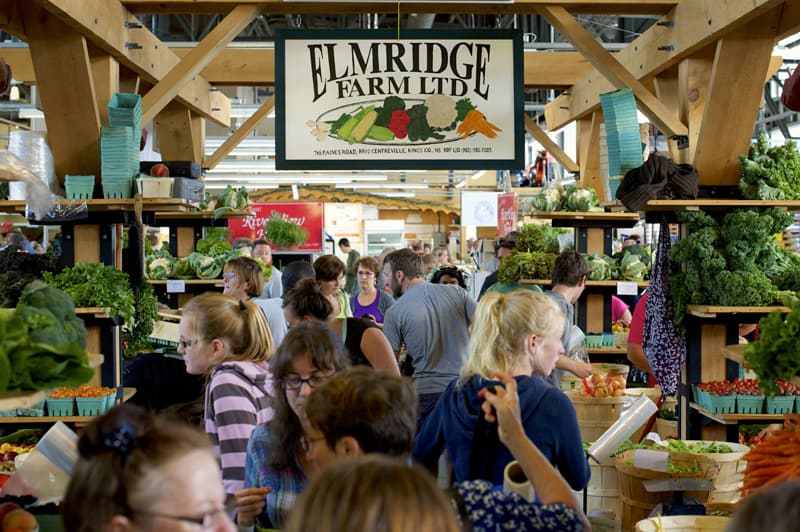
[(594, 341), (34, 410), (749, 404), (701, 397), (780, 404), (721, 404), (91, 406), (60, 407)]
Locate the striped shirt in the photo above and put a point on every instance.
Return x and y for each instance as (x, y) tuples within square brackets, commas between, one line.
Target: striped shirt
[(238, 398)]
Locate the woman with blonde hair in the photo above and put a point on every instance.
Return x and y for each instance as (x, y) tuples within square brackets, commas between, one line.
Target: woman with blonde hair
[(517, 334), (136, 471), (229, 341), (243, 278), (374, 492)]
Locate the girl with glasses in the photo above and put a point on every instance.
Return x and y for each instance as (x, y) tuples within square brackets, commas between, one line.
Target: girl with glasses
[(229, 342), (370, 302), (277, 465), (138, 472)]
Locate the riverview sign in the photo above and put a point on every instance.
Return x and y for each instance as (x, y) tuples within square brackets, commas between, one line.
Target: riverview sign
[(366, 100)]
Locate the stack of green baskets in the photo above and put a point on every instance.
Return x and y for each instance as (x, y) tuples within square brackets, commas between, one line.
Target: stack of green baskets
[(79, 186), (119, 145)]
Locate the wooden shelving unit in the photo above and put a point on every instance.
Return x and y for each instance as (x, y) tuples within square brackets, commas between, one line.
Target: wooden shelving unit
[(588, 219), (589, 284), (734, 353), (734, 419), (127, 393)]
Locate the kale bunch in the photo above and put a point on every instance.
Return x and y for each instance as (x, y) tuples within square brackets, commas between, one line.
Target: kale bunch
[(770, 173), (17, 269)]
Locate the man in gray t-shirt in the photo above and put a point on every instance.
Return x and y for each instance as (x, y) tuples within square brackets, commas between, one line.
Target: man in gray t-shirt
[(431, 320)]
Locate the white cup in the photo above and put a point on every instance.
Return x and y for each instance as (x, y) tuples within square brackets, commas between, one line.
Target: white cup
[(515, 481)]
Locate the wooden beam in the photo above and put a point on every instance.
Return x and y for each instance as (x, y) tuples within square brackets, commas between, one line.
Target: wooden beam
[(733, 100), (67, 92), (11, 19), (665, 119), (695, 25), (105, 73), (694, 74), (552, 148), (629, 7), (665, 87), (196, 60), (176, 135), (790, 20), (589, 153), (244, 130), (256, 67), (105, 23)]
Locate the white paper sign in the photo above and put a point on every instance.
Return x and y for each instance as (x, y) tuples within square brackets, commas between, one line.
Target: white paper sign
[(176, 286), (625, 288), (655, 460)]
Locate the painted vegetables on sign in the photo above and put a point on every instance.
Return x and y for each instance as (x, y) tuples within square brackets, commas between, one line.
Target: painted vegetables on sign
[(438, 118)]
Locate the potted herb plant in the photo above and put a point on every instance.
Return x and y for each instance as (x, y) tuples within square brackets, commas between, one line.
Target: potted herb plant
[(284, 234)]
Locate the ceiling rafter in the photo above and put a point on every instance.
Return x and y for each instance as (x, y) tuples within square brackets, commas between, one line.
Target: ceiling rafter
[(112, 28), (622, 7), (665, 119), (196, 60), (687, 28)]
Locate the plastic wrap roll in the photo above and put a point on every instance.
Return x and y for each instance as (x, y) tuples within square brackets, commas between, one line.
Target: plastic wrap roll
[(32, 147)]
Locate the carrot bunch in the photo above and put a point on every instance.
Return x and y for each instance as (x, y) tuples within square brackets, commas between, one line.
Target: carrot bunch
[(776, 459), (475, 122)]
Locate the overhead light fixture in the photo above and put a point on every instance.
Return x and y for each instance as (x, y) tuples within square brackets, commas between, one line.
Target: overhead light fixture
[(301, 179), (295, 193), (395, 194), (461, 184), (478, 174), (384, 185)]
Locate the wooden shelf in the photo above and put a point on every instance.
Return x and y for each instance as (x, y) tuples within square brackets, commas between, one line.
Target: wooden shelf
[(734, 352), (713, 311), (99, 205), (97, 312), (127, 393), (733, 419), (607, 351), (588, 219), (189, 282), (607, 284), (712, 204)]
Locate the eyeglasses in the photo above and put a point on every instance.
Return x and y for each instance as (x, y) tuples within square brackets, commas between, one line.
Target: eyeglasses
[(295, 382), (449, 270), (308, 443), (186, 344), (366, 274), (228, 275), (206, 520)]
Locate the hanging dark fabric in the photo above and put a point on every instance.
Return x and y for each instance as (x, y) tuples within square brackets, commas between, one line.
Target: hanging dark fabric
[(662, 342), (791, 91)]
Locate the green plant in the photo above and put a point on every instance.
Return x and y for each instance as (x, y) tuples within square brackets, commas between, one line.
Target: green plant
[(96, 285), (282, 232), (137, 335)]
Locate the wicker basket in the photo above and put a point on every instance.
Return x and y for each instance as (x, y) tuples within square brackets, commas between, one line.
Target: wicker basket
[(597, 414), (683, 523), (636, 501), (602, 492)]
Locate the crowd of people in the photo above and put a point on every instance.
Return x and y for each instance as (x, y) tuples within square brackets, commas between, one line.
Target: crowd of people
[(328, 409)]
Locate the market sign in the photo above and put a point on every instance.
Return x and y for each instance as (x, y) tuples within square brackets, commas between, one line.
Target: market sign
[(308, 214), (506, 214), (366, 100)]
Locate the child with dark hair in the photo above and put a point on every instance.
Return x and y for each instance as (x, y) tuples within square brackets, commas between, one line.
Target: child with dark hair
[(277, 464)]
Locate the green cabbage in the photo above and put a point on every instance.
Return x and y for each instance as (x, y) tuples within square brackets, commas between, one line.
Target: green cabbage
[(159, 268), (208, 268)]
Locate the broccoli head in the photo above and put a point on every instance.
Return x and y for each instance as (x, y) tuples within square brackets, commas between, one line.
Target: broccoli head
[(39, 294)]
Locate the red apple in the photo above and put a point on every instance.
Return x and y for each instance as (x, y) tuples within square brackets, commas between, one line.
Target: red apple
[(159, 170)]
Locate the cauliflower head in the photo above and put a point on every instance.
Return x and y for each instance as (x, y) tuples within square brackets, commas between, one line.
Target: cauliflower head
[(441, 110)]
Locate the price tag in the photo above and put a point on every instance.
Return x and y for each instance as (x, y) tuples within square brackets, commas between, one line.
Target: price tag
[(625, 288), (176, 286)]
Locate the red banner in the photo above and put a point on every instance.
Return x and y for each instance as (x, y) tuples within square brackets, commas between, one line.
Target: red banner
[(506, 214), (307, 214)]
